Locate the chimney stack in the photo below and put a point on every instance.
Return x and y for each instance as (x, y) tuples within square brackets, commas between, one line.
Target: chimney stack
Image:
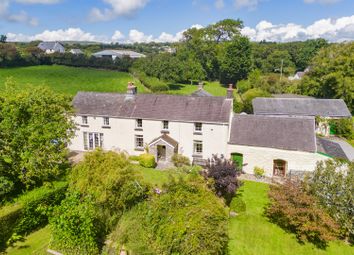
[(200, 85), (230, 92), (132, 90)]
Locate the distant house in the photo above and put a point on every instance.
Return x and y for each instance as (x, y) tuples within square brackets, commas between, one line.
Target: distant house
[(113, 54), (299, 75), (323, 108), (51, 47), (76, 51)]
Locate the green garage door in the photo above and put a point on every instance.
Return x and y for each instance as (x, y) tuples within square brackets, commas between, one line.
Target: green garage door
[(238, 159)]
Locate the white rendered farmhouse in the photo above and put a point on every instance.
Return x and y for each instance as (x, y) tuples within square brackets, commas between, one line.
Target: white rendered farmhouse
[(195, 126)]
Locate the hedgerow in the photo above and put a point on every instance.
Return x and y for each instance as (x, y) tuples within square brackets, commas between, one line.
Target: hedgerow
[(29, 212)]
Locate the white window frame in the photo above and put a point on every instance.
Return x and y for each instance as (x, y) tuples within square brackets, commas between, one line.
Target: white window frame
[(164, 124), (197, 150), (84, 120), (196, 128), (137, 142), (105, 121), (93, 140), (139, 123)]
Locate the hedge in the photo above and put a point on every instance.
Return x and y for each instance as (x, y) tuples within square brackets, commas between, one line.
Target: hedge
[(29, 211), (147, 160), (153, 83)]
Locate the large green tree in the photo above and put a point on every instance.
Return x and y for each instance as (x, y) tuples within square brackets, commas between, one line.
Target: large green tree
[(36, 126), (236, 62), (332, 74)]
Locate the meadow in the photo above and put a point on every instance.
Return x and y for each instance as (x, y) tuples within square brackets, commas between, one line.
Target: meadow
[(70, 80)]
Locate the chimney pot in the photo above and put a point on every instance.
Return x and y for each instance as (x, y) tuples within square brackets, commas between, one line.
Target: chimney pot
[(132, 90), (200, 85), (230, 92)]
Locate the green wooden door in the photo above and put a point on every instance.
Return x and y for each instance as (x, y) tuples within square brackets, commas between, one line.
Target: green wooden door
[(238, 159)]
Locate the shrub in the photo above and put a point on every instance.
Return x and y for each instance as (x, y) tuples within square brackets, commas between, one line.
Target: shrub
[(75, 226), (332, 183), (296, 211), (153, 83), (180, 160), (186, 218), (343, 127), (134, 158), (147, 160), (258, 172), (224, 174), (30, 211), (238, 205)]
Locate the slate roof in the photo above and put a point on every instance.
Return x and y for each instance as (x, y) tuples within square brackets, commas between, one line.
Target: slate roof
[(330, 148), (287, 133), (300, 107), (56, 46), (154, 106), (76, 51), (168, 139), (119, 53), (201, 93)]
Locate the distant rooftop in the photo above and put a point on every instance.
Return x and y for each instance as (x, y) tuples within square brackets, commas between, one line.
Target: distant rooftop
[(300, 107), (119, 53)]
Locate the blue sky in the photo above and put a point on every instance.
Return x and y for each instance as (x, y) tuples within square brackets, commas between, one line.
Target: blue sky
[(163, 20)]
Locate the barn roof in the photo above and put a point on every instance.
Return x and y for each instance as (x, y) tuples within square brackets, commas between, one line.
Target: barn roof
[(300, 107), (154, 106), (287, 133)]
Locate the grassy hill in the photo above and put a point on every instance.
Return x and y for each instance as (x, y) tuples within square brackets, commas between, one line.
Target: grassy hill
[(69, 80)]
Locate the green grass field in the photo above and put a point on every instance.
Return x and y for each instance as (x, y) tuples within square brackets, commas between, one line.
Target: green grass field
[(251, 233), (69, 80)]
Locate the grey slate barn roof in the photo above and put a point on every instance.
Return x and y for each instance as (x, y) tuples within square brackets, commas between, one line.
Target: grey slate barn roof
[(330, 148), (287, 133), (55, 46), (154, 106), (119, 53), (300, 107), (201, 93)]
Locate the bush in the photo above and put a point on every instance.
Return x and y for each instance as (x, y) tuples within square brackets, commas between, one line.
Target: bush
[(238, 205), (186, 218), (258, 172), (134, 158), (332, 183), (30, 211), (75, 226), (296, 211), (224, 175), (180, 160), (153, 83), (343, 127), (147, 160)]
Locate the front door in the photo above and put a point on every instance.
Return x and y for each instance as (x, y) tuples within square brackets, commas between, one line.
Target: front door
[(237, 158), (161, 152)]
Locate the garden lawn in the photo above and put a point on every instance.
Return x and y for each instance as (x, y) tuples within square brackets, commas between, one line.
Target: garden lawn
[(251, 233), (69, 80), (35, 243), (157, 177), (214, 88)]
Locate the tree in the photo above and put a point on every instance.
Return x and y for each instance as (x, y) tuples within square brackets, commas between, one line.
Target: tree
[(184, 218), (3, 38), (249, 95), (236, 62), (224, 30), (224, 173), (279, 61), (36, 126), (332, 74)]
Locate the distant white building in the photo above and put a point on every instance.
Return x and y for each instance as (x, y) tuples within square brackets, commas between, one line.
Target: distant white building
[(299, 75), (51, 47), (76, 51), (118, 54), (197, 126)]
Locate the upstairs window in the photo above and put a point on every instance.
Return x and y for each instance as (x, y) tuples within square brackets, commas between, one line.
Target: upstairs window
[(165, 125), (139, 123), (105, 121), (198, 127), (84, 120)]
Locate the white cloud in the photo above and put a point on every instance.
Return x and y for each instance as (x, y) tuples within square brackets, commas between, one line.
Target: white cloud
[(118, 8), (321, 1), (331, 29), (219, 4), (334, 30), (249, 4)]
